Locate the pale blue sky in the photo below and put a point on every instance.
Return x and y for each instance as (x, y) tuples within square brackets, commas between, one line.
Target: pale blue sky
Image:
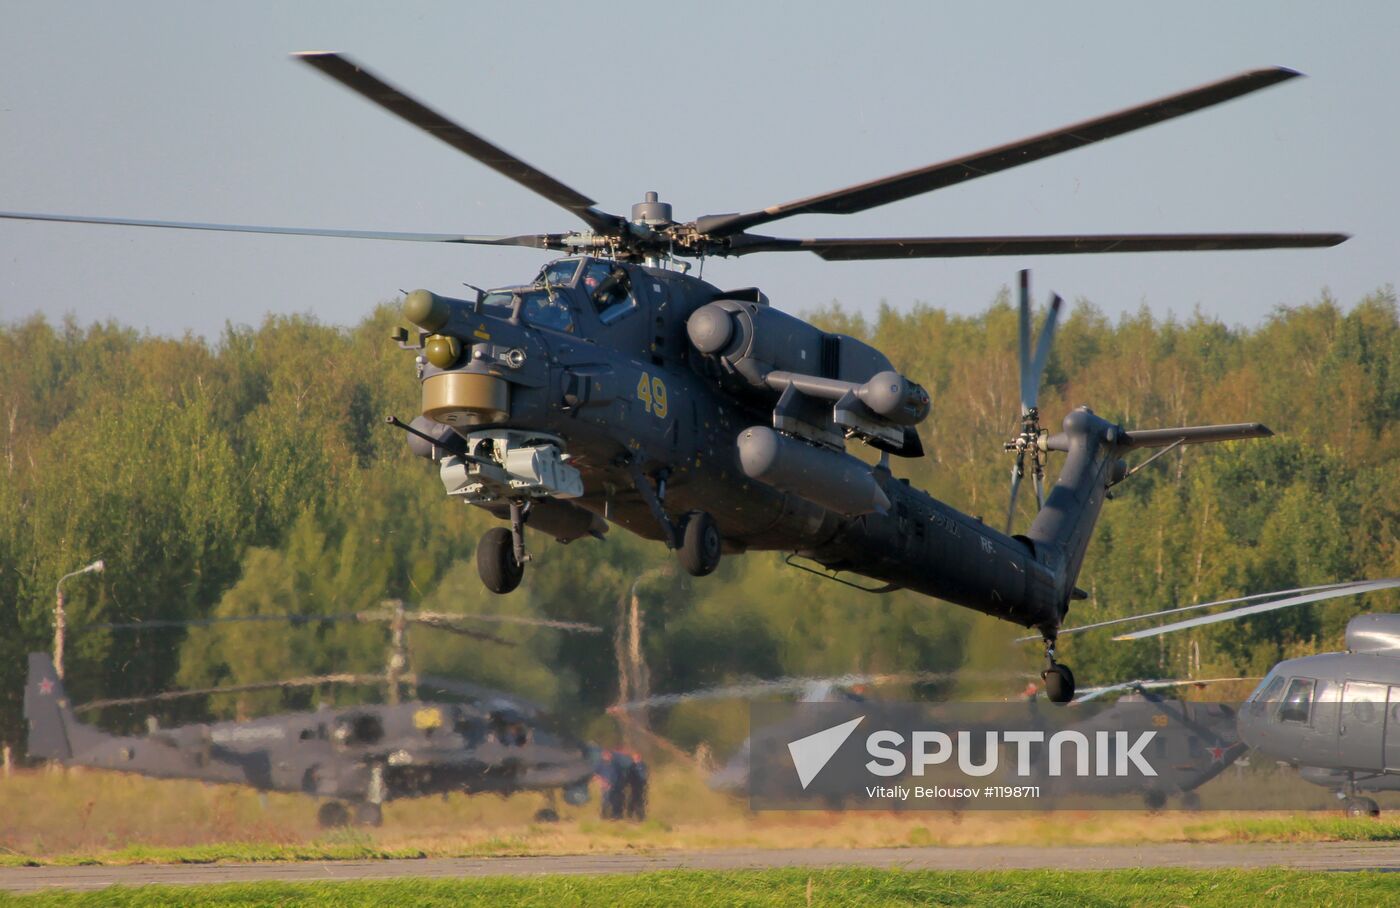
[(191, 111)]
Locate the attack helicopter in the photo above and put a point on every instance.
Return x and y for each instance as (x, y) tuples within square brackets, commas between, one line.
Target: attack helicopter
[(1334, 716), (352, 758), (617, 388)]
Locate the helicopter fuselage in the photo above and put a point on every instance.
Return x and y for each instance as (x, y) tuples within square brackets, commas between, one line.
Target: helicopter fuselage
[(638, 412)]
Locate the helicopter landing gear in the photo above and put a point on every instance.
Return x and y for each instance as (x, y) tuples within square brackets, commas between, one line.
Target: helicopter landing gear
[(332, 815), (549, 813), (501, 555), (700, 548), (495, 561), (1361, 807), (1190, 801), (1354, 805), (367, 813), (696, 539), (1059, 680)]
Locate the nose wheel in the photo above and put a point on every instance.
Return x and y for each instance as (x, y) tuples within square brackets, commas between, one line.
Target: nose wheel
[(495, 561), (1059, 680), (501, 555)]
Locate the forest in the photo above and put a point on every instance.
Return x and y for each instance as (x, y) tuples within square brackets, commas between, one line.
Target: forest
[(253, 474)]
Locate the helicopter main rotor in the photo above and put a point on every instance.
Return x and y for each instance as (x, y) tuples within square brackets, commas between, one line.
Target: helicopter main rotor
[(650, 233)]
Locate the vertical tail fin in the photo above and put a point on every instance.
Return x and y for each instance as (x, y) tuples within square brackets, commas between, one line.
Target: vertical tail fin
[(1065, 524), (51, 719)]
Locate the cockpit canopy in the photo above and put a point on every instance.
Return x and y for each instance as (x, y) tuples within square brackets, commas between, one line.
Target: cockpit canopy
[(561, 290)]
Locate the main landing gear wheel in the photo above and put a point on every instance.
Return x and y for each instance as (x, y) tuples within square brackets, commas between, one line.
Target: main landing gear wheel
[(700, 544), (368, 814), (495, 561), (546, 815), (332, 815), (1362, 807), (1059, 683)]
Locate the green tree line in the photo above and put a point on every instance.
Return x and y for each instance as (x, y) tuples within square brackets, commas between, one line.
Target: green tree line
[(253, 475)]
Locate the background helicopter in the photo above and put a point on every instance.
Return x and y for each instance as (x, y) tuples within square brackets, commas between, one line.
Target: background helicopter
[(364, 755), (1202, 743), (1335, 716), (615, 387)]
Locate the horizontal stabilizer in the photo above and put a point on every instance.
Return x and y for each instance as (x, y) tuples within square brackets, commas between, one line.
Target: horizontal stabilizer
[(1194, 435)]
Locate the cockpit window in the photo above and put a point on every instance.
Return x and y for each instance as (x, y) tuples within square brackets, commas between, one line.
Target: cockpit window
[(1267, 692), (545, 309), (560, 273), (610, 289), (1297, 702), (500, 303)]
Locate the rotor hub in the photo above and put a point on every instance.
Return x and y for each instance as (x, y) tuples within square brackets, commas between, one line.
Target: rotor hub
[(652, 212)]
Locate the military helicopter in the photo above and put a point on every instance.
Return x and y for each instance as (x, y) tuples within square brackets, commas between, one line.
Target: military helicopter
[(360, 755), (1335, 716), (1203, 741), (617, 388)]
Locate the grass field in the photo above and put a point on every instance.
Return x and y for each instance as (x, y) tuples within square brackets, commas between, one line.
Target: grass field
[(1042, 889), (77, 817)]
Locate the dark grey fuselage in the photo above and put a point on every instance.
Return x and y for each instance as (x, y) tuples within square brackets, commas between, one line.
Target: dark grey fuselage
[(365, 754), (593, 385)]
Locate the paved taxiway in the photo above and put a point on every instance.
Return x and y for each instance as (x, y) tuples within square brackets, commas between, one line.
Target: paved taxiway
[(1310, 856)]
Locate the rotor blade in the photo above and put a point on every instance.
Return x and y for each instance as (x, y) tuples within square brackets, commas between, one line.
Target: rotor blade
[(159, 623), (1017, 472), (1352, 590), (1194, 435), (474, 692), (842, 249), (313, 681), (371, 87), (1189, 608), (1093, 693), (799, 685), (433, 620), (538, 241), (576, 626), (947, 173), (1038, 480), (1023, 346), (1042, 349)]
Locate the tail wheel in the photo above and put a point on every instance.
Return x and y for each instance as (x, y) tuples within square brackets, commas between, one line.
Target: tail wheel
[(1059, 683), (495, 561), (701, 544), (332, 815)]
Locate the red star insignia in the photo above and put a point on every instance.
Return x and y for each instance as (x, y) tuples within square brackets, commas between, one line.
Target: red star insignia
[(1217, 754), (46, 686)]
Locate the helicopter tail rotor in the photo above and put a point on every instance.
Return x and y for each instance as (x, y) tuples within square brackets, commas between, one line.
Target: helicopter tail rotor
[(1031, 439)]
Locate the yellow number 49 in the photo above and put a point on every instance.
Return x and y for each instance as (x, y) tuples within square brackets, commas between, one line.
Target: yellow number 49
[(651, 391)]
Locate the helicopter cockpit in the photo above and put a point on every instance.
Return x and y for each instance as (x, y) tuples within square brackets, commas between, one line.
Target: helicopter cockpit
[(562, 287)]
